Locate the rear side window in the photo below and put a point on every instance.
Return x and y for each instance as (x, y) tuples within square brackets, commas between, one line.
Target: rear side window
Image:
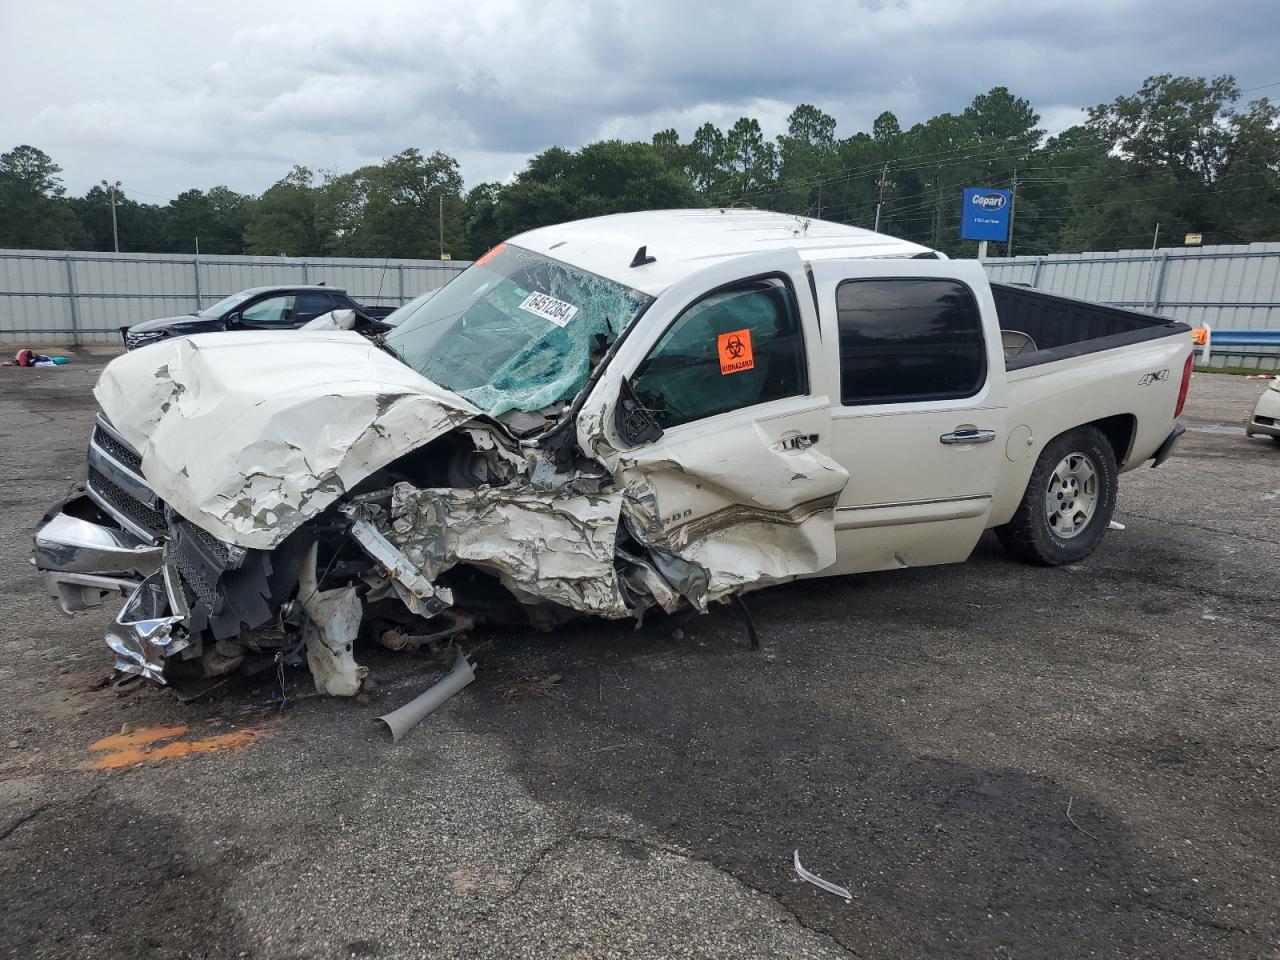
[(733, 348), (908, 339), (311, 304)]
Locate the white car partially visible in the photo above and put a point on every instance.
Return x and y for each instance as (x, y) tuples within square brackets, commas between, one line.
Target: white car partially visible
[(1266, 414)]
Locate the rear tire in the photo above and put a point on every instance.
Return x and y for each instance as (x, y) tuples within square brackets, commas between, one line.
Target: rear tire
[(1068, 503)]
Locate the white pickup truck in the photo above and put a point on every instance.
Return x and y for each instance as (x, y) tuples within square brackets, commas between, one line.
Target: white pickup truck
[(660, 409)]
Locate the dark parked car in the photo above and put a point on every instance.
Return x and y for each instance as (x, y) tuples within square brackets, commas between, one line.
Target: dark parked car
[(258, 308)]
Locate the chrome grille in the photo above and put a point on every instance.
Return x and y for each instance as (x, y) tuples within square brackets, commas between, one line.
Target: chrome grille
[(193, 576), (116, 501), (126, 455), (214, 547)]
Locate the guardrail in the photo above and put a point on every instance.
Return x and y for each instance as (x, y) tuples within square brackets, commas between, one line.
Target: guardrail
[(1206, 338)]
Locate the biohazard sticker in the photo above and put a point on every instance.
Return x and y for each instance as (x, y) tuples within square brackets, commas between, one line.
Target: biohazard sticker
[(735, 352), (549, 308)]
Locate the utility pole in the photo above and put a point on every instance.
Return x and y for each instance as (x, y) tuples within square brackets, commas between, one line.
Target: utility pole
[(819, 201), (111, 194), (1151, 270), (442, 226), (884, 176), (1013, 212)]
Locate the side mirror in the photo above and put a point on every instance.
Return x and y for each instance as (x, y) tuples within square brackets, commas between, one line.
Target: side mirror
[(634, 422), (233, 319)]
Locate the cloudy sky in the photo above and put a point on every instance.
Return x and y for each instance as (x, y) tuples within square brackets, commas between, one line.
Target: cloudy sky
[(164, 96)]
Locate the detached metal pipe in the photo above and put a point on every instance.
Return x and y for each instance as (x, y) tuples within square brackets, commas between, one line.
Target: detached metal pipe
[(399, 722)]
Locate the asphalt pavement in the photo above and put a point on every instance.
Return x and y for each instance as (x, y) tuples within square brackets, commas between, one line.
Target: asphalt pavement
[(996, 760)]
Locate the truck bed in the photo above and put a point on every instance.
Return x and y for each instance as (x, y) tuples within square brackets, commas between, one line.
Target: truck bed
[(1061, 327)]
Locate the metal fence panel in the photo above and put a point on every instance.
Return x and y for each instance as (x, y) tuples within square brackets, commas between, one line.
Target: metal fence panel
[(56, 296), (1229, 286), (65, 297)]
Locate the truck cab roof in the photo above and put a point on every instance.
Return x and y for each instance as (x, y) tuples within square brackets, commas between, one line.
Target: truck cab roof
[(683, 241)]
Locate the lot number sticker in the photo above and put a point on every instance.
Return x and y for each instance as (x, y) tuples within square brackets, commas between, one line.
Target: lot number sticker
[(549, 308), (735, 352)]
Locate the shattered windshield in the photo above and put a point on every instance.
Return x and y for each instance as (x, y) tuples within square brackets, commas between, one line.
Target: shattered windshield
[(516, 331)]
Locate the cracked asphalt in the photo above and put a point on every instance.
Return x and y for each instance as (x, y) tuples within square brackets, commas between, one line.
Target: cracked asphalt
[(996, 760)]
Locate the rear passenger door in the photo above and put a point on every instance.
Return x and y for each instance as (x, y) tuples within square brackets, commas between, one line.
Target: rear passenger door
[(918, 409), (310, 304)]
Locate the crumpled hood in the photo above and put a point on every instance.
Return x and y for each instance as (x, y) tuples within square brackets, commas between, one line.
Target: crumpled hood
[(248, 435)]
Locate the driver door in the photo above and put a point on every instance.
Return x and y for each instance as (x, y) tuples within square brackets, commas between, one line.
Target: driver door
[(740, 481)]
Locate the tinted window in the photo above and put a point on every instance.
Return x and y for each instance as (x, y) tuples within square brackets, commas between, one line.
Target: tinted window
[(908, 340), (310, 305), (734, 348)]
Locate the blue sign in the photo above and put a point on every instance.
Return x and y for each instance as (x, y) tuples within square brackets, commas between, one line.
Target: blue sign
[(985, 214)]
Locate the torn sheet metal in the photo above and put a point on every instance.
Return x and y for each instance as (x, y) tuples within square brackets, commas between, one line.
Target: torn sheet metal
[(143, 634), (557, 548), (739, 509), (708, 550), (250, 436), (415, 590)]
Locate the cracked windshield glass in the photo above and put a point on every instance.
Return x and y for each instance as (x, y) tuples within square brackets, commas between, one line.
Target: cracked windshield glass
[(516, 331)]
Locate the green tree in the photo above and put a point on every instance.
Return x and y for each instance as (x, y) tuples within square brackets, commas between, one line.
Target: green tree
[(287, 220), (1249, 187), (606, 177), (752, 161), (395, 209), (33, 211), (807, 155), (216, 220), (706, 161), (1179, 123), (140, 226), (483, 230)]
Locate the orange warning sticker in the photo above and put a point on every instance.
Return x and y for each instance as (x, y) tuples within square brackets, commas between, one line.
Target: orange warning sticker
[(735, 352)]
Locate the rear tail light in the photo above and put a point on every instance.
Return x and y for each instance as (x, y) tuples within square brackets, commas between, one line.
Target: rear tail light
[(1182, 390)]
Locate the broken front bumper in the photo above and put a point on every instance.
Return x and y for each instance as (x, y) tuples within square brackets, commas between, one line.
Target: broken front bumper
[(148, 628), (85, 557)]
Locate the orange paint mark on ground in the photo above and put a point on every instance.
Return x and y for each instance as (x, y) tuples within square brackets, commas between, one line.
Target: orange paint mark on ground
[(139, 738), (140, 746)]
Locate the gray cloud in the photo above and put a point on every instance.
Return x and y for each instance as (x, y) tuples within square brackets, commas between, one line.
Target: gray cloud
[(165, 97)]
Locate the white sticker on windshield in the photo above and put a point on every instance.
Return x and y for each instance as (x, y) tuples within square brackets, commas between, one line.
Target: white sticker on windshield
[(549, 308)]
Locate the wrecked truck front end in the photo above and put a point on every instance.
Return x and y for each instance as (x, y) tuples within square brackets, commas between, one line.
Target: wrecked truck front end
[(279, 496), (307, 492)]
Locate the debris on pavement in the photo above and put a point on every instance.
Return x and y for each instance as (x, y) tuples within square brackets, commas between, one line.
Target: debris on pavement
[(818, 882), (533, 688), (401, 721), (1115, 525), (26, 357)]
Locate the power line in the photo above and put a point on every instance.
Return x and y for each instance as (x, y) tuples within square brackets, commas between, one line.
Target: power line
[(969, 152)]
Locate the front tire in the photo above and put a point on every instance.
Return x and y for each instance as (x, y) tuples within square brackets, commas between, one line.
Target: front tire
[(1068, 503)]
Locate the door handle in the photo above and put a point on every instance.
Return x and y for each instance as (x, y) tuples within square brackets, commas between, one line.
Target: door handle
[(968, 435), (802, 441)]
